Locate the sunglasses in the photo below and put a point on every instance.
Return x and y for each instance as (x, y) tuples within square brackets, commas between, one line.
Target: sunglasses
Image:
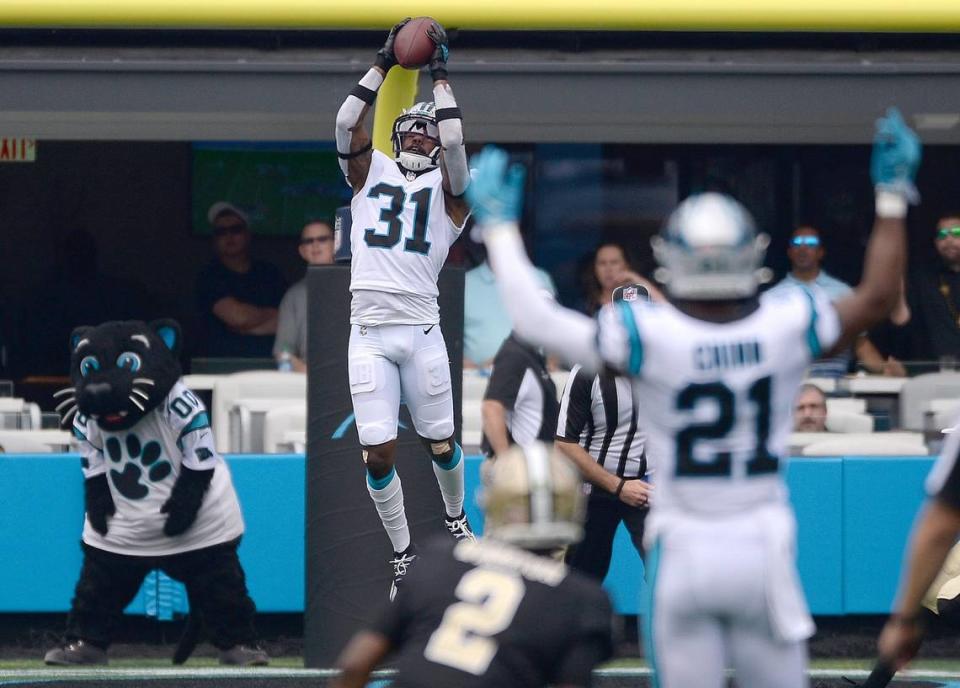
[(948, 231), (805, 241), (315, 240), (224, 230)]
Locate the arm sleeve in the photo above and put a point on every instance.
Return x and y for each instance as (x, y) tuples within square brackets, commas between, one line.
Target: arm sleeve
[(538, 320), (505, 380), (189, 419), (90, 446), (575, 405), (450, 127)]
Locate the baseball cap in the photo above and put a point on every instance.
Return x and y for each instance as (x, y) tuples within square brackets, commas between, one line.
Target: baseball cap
[(221, 207), (631, 292)]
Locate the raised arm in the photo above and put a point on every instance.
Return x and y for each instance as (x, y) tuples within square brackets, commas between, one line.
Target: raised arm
[(453, 161), (893, 168), (354, 147), (496, 198)]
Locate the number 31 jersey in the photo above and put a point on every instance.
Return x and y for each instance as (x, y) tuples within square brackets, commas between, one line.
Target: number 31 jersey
[(400, 235), (718, 397)]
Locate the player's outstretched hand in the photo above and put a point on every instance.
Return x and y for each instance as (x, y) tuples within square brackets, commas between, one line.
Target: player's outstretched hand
[(495, 192), (896, 156), (385, 57), (438, 61)]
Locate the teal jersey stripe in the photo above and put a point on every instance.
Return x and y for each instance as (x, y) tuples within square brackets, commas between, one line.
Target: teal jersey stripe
[(379, 484), (454, 460), (198, 422), (652, 565), (633, 333), (813, 341)]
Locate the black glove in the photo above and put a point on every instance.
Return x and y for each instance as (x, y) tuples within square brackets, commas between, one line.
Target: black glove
[(385, 57), (185, 500), (438, 61), (98, 502)]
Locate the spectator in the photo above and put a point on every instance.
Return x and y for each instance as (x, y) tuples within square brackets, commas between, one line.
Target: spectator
[(611, 269), (485, 321), (237, 295), (934, 297), (810, 410), (520, 404), (806, 254), (316, 248), (597, 430)]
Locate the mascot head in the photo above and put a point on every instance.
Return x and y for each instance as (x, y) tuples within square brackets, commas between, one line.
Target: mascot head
[(121, 370)]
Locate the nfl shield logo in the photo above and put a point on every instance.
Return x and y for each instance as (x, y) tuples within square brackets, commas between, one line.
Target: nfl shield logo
[(630, 293)]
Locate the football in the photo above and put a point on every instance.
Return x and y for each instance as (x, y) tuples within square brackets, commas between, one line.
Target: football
[(412, 46)]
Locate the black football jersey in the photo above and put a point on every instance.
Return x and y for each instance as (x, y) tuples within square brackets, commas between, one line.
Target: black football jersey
[(484, 613)]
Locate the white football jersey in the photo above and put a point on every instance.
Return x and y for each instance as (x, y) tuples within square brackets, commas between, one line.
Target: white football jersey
[(142, 465), (718, 397), (400, 235)]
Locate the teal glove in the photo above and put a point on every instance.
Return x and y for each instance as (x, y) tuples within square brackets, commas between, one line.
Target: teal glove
[(495, 193), (896, 157)]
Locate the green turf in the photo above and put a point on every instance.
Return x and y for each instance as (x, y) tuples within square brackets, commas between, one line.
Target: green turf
[(151, 663)]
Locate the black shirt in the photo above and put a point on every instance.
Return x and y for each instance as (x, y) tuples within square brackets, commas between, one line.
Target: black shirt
[(262, 285), (934, 298), (521, 382), (477, 614)]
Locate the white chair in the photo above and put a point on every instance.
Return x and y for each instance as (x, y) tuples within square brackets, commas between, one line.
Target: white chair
[(17, 413), (916, 394), (945, 412), (280, 426), (872, 444), (846, 405), (846, 421), (472, 430), (827, 385), (474, 384), (35, 441), (800, 440), (280, 387)]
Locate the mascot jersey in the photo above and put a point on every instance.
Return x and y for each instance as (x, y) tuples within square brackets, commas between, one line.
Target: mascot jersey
[(142, 464)]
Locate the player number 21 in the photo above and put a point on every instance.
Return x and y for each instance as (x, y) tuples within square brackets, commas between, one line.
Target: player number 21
[(488, 602), (390, 216)]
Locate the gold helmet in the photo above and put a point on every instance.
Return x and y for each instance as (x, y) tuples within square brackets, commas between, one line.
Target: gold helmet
[(533, 498)]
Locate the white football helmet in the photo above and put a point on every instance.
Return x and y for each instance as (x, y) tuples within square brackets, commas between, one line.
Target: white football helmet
[(420, 118), (709, 249), (533, 498)]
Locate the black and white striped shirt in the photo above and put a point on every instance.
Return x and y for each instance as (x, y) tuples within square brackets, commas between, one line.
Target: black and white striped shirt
[(598, 412), (520, 381)]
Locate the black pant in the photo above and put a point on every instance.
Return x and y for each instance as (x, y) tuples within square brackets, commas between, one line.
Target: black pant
[(213, 576), (604, 513)]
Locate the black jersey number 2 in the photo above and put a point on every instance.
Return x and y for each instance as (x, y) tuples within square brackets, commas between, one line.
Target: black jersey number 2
[(390, 216), (719, 464)]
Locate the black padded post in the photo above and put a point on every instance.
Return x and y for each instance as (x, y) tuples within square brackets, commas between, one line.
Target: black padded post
[(347, 574)]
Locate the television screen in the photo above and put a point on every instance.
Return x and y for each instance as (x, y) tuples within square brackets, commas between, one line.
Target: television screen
[(280, 186)]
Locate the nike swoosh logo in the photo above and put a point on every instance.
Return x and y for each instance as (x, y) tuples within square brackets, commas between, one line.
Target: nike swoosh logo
[(427, 331)]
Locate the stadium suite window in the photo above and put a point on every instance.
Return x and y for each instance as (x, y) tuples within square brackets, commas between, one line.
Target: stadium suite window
[(584, 194)]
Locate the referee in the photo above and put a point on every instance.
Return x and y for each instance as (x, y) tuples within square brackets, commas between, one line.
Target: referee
[(597, 429), (520, 403)]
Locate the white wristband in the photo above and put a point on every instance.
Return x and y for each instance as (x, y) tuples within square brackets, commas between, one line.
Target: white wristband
[(373, 79), (891, 205)]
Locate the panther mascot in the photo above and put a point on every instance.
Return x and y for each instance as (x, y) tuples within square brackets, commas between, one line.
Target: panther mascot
[(157, 494)]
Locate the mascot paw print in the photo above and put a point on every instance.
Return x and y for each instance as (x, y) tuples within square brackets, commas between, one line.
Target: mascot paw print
[(141, 458)]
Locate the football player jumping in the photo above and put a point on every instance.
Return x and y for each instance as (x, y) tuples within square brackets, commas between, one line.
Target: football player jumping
[(407, 211), (717, 367)]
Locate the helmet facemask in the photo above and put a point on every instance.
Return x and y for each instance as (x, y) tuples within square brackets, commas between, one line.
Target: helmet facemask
[(419, 119)]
